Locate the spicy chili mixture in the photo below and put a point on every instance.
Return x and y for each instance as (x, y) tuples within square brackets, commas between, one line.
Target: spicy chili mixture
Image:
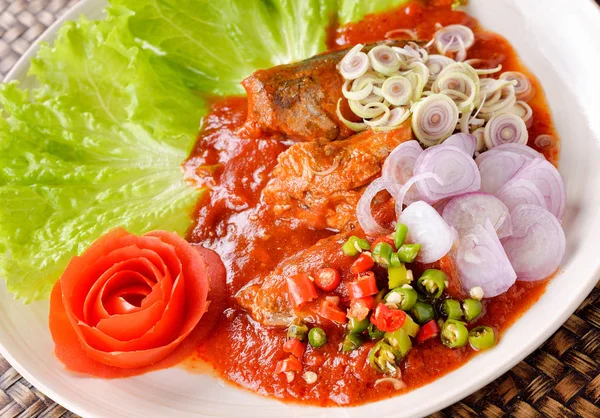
[(236, 164)]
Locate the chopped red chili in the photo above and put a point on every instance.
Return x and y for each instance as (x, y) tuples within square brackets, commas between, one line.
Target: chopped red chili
[(360, 308), (387, 319), (290, 364), (332, 312), (296, 347), (428, 331), (365, 285), (327, 279), (301, 289), (363, 263)]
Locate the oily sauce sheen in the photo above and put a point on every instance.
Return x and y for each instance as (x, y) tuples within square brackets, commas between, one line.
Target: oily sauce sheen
[(230, 220)]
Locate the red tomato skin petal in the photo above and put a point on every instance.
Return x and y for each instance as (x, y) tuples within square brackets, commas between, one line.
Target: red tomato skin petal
[(185, 307), (76, 283), (193, 267), (165, 330), (93, 311), (69, 351)]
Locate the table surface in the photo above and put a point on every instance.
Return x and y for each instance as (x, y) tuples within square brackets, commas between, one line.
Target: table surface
[(560, 379)]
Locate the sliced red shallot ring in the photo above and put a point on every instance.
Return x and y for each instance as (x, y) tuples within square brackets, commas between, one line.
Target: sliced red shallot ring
[(537, 246), (399, 166), (363, 208), (523, 87), (520, 191), (355, 63), (482, 262), (434, 119), (466, 142), (426, 227), (505, 128), (440, 205), (403, 191), (464, 212), (497, 168), (456, 169), (384, 59), (549, 182), (520, 149)]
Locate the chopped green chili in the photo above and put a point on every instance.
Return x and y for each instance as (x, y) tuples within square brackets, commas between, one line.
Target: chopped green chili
[(422, 312), (451, 309), (297, 330), (432, 282), (351, 342), (399, 340), (472, 308), (356, 327), (382, 254), (482, 338), (409, 252), (410, 326), (317, 337), (454, 333), (375, 333), (354, 245), (382, 357), (395, 260), (400, 234), (403, 297), (397, 276)]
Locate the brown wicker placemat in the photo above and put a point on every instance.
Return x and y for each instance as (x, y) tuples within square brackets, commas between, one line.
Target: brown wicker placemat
[(560, 379)]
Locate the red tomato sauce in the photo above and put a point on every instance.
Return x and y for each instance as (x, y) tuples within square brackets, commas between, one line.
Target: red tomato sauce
[(252, 242)]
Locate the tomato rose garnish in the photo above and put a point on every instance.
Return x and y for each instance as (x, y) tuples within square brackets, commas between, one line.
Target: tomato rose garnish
[(129, 301)]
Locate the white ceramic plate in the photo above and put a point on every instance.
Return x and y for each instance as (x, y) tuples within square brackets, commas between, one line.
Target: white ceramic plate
[(558, 42)]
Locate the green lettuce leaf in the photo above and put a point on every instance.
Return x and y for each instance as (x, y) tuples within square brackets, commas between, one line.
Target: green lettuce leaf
[(100, 142), (223, 42), (99, 145), (355, 10)]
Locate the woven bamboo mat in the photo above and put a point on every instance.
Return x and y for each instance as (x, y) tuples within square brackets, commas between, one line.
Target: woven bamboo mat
[(560, 379)]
